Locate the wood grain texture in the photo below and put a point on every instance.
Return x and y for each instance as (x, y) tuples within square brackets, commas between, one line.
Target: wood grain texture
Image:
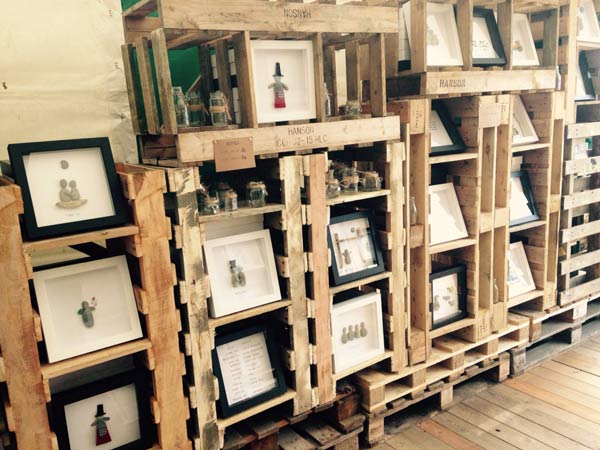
[(17, 335)]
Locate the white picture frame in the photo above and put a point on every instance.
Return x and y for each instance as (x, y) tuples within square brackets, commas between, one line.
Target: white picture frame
[(295, 59), (446, 222), (523, 129), (253, 256), (588, 30), (365, 313), (439, 136), (523, 47), (105, 285), (443, 45), (519, 279)]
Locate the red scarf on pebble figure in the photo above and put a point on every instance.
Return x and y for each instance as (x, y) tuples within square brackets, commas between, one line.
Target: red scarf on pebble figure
[(102, 434), (278, 87)]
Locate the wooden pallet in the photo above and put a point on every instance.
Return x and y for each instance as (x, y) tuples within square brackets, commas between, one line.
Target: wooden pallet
[(542, 161), (578, 262), (474, 176), (284, 218), (387, 204), (161, 138), (433, 81), (555, 331), (28, 379), (497, 366)]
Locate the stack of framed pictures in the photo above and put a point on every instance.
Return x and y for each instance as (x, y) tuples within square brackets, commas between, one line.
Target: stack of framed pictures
[(588, 30), (522, 202), (523, 47), (448, 294), (354, 247), (487, 44), (247, 366), (446, 222), (67, 186), (445, 138), (86, 306), (520, 279), (523, 130), (242, 273), (443, 45), (357, 329), (110, 414), (584, 87)]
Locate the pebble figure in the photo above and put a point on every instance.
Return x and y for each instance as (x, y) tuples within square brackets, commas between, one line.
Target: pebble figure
[(102, 433), (344, 336), (70, 198), (87, 314), (279, 87), (363, 330), (238, 277), (347, 258)]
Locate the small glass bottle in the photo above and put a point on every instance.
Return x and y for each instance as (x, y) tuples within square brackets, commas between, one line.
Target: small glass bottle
[(256, 194), (327, 100), (413, 211), (353, 108), (496, 298), (181, 107), (208, 205), (230, 200)]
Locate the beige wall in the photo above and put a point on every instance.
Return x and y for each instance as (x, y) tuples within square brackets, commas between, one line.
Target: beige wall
[(61, 75)]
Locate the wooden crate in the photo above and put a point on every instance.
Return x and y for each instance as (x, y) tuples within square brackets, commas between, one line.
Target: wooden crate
[(542, 162), (480, 118), (385, 396), (155, 118), (282, 216), (28, 379), (387, 204)]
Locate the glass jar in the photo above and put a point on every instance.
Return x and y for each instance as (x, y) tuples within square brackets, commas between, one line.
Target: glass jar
[(333, 188), (256, 194), (371, 181), (353, 108), (222, 188), (219, 110), (230, 200), (349, 180), (208, 205), (181, 107), (196, 109)]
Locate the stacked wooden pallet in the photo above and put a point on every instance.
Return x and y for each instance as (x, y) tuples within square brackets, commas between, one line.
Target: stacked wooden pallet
[(480, 101), (186, 155), (29, 379)]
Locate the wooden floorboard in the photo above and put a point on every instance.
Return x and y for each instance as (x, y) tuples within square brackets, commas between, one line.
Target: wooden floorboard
[(554, 406)]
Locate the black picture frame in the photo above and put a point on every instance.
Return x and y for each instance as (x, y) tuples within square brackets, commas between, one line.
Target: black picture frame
[(492, 27), (586, 78), (18, 151), (441, 271), (524, 176), (458, 144), (379, 265), (224, 408), (62, 399)]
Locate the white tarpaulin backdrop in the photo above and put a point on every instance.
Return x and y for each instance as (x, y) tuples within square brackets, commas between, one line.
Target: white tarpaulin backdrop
[(61, 73)]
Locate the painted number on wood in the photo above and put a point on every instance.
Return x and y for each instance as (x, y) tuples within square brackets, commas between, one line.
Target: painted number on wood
[(234, 154)]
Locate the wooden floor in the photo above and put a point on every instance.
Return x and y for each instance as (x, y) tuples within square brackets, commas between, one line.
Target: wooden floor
[(553, 406)]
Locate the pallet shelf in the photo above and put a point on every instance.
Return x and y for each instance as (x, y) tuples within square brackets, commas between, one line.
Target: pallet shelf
[(27, 378), (388, 158), (191, 230)]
